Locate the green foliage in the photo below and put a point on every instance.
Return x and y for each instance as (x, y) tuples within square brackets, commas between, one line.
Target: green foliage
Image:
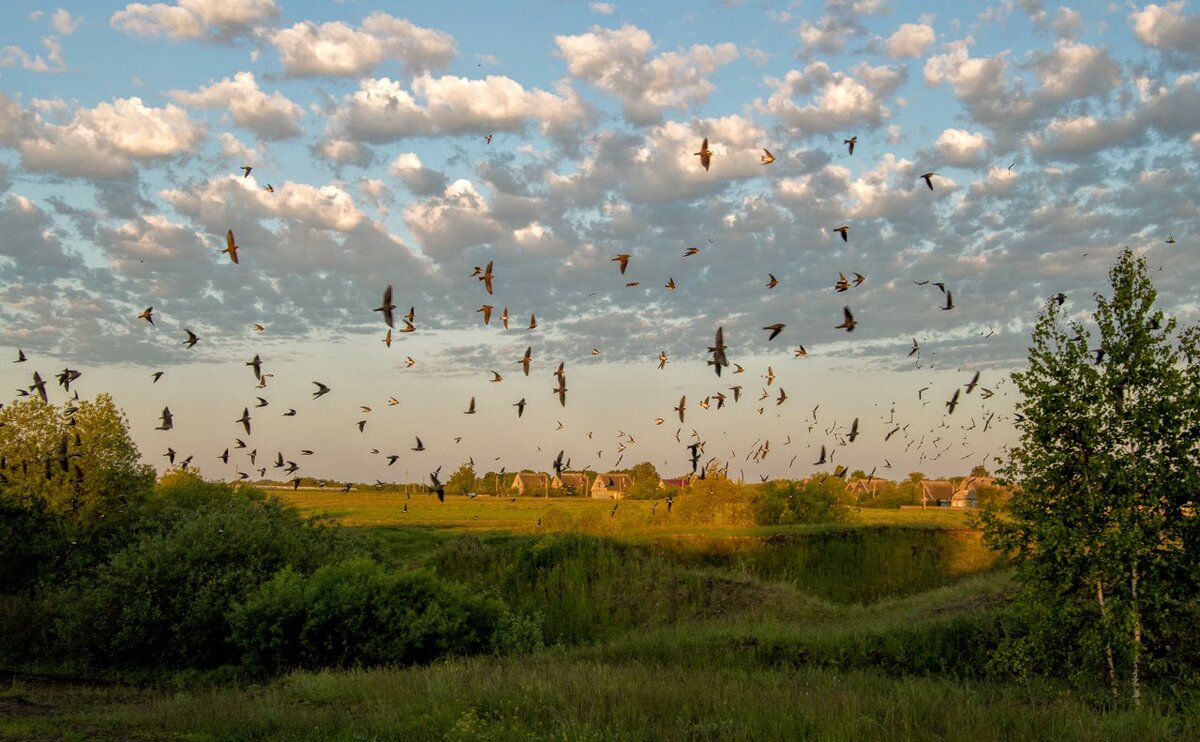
[(81, 462), (461, 481), (892, 495), (645, 482), (1108, 465), (814, 500), (162, 600), (714, 501), (359, 613)]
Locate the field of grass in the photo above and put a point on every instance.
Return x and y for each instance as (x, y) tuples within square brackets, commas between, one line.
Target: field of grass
[(651, 628)]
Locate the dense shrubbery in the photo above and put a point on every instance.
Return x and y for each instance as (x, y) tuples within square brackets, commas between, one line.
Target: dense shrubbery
[(817, 500), (199, 575), (360, 613)]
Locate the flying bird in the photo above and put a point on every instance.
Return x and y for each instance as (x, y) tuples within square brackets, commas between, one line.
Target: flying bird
[(623, 259), (246, 170), (147, 314), (321, 390), (192, 338), (682, 407), (231, 246), (848, 323), (953, 402), (691, 251), (520, 407), (844, 230), (470, 408), (772, 281), (705, 154), (487, 313), (850, 143), (928, 177), (487, 277), (386, 306), (245, 421), (949, 301), (168, 420), (766, 157), (775, 330)]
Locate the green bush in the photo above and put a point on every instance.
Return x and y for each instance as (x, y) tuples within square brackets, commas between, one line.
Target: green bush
[(162, 600), (359, 613), (782, 502)]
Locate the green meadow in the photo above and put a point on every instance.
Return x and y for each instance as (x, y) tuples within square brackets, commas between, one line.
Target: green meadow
[(644, 625)]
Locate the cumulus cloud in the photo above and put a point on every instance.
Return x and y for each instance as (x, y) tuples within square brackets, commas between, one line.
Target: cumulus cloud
[(1073, 71), (961, 148), (458, 218), (193, 19), (269, 116), (102, 141), (419, 179), (64, 22), (382, 110), (836, 100), (910, 40), (11, 56), (325, 207), (618, 62), (602, 8), (338, 50), (1167, 27)]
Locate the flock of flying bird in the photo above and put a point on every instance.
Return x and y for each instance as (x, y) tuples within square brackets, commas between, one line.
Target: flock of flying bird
[(838, 435)]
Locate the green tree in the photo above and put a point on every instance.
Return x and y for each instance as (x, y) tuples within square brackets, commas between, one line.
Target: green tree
[(1100, 528), (77, 460), (979, 470), (645, 482), (462, 481)]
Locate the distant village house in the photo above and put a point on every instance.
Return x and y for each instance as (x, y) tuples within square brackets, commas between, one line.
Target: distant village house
[(529, 483), (612, 485)]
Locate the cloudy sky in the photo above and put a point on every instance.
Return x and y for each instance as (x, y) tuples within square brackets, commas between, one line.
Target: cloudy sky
[(1058, 133)]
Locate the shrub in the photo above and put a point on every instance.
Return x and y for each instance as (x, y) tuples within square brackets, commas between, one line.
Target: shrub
[(361, 613), (162, 600), (809, 501)]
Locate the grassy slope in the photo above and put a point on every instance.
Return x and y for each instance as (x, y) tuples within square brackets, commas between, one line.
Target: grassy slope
[(659, 641)]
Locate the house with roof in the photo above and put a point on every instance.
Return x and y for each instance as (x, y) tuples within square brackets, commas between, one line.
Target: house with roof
[(575, 483), (965, 496), (936, 492), (611, 485), (677, 483), (531, 483)]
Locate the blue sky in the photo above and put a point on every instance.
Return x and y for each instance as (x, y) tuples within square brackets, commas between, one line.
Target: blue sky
[(1059, 133)]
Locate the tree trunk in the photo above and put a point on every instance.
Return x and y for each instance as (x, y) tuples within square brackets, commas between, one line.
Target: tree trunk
[(1134, 682), (1108, 651)]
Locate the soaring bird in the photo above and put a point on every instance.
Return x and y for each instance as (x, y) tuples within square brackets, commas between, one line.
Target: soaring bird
[(848, 323), (520, 407), (766, 157), (487, 277), (256, 364), (953, 401), (772, 281), (321, 390), (147, 314), (662, 360), (231, 246), (670, 283), (844, 230), (915, 348), (470, 408), (858, 278), (387, 306), (268, 188), (949, 301), (533, 321), (691, 251), (168, 420), (387, 339), (853, 431), (192, 338), (246, 170), (682, 407), (623, 259), (504, 317), (245, 421), (801, 352), (929, 179), (156, 376), (821, 460), (526, 360), (561, 391), (261, 402), (850, 143), (842, 284), (487, 313), (420, 446), (496, 377), (705, 154), (775, 330), (970, 386)]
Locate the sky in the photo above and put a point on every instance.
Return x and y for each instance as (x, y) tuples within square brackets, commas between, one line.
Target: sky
[(407, 150)]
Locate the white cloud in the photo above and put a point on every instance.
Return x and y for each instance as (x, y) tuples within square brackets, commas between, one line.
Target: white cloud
[(193, 19), (64, 23), (961, 148), (336, 49), (602, 8), (326, 207), (419, 179), (270, 116), (838, 100), (382, 110), (1067, 23), (11, 56), (100, 141), (1167, 27), (1075, 136), (457, 219), (1074, 71), (233, 149), (342, 152), (910, 40), (618, 62)]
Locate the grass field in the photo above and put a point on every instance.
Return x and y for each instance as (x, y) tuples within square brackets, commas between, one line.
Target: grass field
[(653, 629)]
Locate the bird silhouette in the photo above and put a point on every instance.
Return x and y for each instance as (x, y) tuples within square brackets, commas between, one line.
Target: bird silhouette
[(766, 157), (850, 143), (705, 154), (386, 306), (848, 322)]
